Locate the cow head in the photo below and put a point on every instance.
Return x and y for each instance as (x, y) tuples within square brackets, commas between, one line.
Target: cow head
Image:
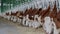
[(27, 16)]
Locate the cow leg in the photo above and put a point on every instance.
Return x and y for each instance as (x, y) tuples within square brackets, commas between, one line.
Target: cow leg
[(27, 22), (23, 22), (19, 20), (36, 17), (39, 20), (54, 27), (59, 31), (55, 30), (12, 17), (30, 23), (15, 19), (8, 17), (35, 24), (5, 16)]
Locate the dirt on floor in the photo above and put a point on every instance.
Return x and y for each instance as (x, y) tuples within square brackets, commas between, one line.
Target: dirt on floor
[(9, 27)]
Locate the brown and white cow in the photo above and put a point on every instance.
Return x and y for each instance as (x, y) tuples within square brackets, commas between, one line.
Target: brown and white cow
[(7, 15)]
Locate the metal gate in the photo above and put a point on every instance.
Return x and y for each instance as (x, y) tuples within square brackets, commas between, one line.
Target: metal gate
[(9, 4)]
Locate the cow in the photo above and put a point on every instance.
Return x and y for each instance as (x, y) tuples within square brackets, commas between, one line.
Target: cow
[(37, 19), (47, 25), (13, 16), (7, 15), (27, 16), (52, 27), (43, 14)]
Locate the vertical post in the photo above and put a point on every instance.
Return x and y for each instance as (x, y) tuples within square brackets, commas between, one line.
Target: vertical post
[(58, 3), (1, 5), (42, 3), (10, 3)]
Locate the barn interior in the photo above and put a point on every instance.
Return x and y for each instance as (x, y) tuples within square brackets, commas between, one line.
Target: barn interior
[(29, 16)]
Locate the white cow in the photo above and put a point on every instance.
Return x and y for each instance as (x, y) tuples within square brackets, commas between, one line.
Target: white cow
[(6, 16), (47, 25)]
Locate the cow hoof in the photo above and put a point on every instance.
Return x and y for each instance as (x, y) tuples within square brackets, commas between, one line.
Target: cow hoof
[(59, 32), (40, 26)]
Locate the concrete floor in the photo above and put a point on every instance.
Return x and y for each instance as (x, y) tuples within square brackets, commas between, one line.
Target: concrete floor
[(8, 27)]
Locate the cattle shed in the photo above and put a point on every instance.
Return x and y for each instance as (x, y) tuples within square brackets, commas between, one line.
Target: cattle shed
[(29, 16)]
